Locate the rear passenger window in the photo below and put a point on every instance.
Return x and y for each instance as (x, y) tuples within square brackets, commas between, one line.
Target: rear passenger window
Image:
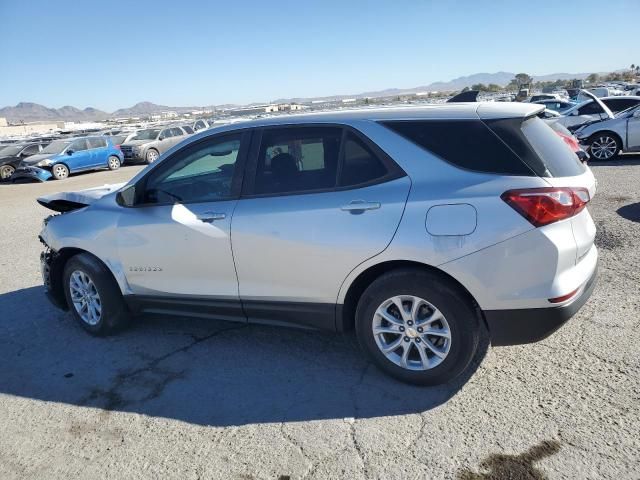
[(96, 142), (360, 164), (187, 129), (297, 159), (468, 144)]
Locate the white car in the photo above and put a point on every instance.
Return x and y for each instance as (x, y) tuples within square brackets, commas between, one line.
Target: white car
[(588, 111), (420, 228)]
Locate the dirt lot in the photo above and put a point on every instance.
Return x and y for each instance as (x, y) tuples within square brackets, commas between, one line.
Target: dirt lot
[(195, 399)]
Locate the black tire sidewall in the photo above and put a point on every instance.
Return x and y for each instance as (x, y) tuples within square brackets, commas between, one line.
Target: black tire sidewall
[(113, 315), (454, 305)]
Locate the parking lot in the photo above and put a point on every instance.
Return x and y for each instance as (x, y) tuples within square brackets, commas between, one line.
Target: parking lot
[(199, 399)]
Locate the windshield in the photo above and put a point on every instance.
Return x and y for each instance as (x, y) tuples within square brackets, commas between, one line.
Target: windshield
[(151, 134), (56, 147), (11, 151)]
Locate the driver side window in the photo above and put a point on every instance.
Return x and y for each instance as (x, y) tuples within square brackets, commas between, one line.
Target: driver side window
[(199, 173)]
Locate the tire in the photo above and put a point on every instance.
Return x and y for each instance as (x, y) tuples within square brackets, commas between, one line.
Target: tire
[(113, 162), (6, 171), (604, 146), (151, 155), (434, 294), (112, 314), (60, 171)]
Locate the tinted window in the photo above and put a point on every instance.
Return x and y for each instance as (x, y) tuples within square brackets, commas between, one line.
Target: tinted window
[(31, 150), (95, 142), (619, 104), (78, 145), (591, 108), (187, 129), (166, 133), (176, 132), (360, 164), (297, 159), (468, 144), (202, 173)]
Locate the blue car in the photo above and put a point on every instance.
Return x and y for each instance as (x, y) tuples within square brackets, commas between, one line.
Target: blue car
[(64, 157)]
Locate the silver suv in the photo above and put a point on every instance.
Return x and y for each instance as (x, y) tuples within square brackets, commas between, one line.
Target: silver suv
[(147, 145), (421, 228)]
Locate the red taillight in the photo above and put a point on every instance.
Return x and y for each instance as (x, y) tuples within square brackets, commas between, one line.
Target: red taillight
[(542, 206), (563, 297), (117, 147), (571, 141)]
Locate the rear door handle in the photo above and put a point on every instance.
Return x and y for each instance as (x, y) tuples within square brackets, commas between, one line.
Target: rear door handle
[(209, 217), (360, 206)]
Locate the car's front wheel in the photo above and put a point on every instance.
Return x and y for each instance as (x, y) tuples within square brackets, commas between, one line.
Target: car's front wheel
[(6, 171), (60, 171), (604, 146), (93, 295), (113, 162), (417, 326), (151, 156)]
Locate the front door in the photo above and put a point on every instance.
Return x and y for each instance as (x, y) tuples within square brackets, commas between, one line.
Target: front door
[(311, 215), (79, 155), (174, 244)]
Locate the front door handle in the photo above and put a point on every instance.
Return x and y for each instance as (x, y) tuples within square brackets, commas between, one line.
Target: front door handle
[(359, 206), (209, 217)]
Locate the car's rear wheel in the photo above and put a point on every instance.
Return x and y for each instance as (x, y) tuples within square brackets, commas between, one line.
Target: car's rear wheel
[(93, 295), (60, 171), (604, 146), (113, 162), (151, 156), (6, 171), (417, 326)]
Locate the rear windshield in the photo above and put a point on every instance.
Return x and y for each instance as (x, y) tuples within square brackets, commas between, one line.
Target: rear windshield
[(507, 146), (539, 146)]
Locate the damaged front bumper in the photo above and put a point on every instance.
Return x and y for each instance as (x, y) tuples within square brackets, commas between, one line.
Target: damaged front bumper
[(47, 260), (32, 173)]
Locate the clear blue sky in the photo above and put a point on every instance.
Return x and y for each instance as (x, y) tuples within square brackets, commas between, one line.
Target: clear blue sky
[(112, 54)]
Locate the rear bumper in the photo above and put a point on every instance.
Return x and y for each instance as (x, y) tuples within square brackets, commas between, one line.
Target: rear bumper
[(515, 327)]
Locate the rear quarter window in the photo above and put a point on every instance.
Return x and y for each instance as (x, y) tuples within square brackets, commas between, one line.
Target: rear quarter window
[(468, 144)]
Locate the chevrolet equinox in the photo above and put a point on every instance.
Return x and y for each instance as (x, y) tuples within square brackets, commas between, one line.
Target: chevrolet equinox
[(420, 228)]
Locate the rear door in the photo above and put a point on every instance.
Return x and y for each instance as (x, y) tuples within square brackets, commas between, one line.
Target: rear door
[(99, 151), (319, 201), (633, 131)]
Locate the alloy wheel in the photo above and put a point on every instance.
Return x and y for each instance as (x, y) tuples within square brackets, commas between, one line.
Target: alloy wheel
[(604, 147), (114, 163), (60, 171), (152, 156), (85, 297), (411, 332)]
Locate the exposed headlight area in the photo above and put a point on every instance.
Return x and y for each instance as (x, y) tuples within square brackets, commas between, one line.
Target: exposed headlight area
[(44, 163)]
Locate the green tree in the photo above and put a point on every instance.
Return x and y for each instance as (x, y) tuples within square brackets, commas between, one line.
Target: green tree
[(593, 78), (479, 86), (523, 78)]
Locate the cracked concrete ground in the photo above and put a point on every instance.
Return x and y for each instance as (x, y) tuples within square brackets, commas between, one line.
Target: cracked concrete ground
[(178, 398)]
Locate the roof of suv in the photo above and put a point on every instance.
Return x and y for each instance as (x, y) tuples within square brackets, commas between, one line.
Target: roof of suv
[(451, 111)]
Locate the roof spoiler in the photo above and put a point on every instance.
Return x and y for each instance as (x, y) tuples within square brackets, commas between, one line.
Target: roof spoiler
[(466, 96)]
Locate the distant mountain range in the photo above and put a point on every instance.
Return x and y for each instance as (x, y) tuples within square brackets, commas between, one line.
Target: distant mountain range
[(32, 112)]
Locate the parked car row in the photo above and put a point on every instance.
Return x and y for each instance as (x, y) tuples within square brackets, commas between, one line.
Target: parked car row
[(58, 158)]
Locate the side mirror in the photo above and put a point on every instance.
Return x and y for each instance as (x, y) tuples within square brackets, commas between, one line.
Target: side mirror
[(69, 152), (127, 196), (636, 114), (160, 138)]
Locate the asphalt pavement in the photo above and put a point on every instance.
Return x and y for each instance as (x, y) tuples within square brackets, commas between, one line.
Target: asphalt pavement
[(195, 399)]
